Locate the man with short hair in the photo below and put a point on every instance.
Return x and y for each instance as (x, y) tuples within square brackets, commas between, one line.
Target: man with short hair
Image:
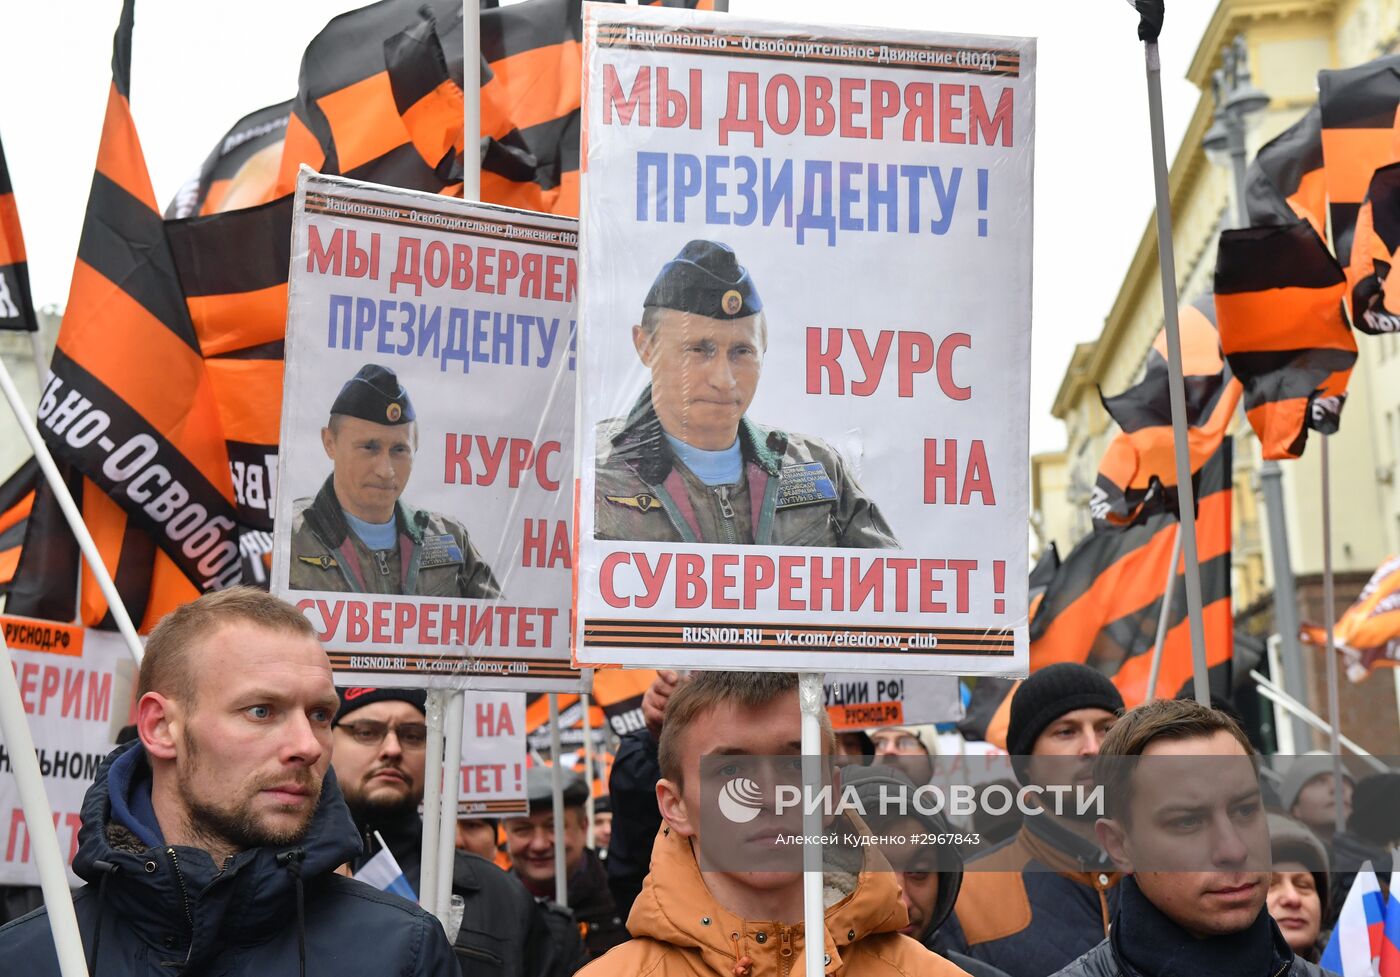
[(1038, 900), (741, 923), (686, 463), (211, 844), (930, 872), (530, 842), (909, 748), (357, 534), (1186, 825), (381, 740)]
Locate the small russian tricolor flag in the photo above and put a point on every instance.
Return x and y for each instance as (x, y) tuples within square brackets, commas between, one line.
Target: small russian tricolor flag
[(1357, 946), (383, 872)]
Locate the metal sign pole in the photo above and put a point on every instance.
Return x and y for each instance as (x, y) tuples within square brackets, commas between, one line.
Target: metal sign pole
[(586, 701), (432, 803), (556, 783), (1168, 592), (72, 515), (1176, 387), (1329, 612), (813, 911)]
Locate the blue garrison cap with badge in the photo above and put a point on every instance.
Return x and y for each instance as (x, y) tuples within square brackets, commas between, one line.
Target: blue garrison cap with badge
[(705, 279), (374, 394)]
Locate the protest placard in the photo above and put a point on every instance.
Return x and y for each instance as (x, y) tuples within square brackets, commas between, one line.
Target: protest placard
[(423, 512), (804, 364), (76, 688), (493, 756), (862, 701)]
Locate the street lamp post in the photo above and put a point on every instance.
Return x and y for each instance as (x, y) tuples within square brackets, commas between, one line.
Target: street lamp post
[(1236, 99)]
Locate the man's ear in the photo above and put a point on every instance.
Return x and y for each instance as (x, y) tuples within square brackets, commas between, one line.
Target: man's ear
[(328, 442), (158, 724), (673, 809), (1114, 840), (641, 341)]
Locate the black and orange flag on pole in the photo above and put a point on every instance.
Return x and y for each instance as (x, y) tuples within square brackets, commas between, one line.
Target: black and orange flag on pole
[(381, 89), (241, 171), (1285, 180), (1137, 476), (1102, 606), (1375, 293), (130, 404), (1358, 108), (1278, 300), (16, 303), (16, 502)]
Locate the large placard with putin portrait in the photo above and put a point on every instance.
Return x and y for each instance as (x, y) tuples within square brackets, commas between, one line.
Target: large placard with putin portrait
[(804, 354), (424, 503)]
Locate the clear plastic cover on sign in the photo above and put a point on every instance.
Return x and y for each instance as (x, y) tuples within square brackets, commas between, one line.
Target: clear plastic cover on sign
[(423, 505), (804, 357)]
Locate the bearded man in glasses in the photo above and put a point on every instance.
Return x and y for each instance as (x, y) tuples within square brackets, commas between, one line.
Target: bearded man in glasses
[(380, 754)]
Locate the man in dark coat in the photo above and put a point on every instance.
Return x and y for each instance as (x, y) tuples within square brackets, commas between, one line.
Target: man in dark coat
[(1186, 825), (530, 840), (381, 739), (1038, 900), (210, 846)]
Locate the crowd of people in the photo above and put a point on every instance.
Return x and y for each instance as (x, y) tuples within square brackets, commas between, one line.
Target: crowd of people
[(222, 838)]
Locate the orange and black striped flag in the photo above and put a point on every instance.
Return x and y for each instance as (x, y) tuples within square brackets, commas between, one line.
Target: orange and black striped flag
[(1278, 300), (1285, 179), (1358, 108), (1137, 476), (16, 502), (249, 154), (1375, 296), (1102, 606), (380, 100), (16, 303), (130, 404), (1367, 635)]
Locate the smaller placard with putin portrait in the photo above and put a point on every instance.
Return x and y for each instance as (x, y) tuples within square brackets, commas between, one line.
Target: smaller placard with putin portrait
[(804, 353), (423, 509)]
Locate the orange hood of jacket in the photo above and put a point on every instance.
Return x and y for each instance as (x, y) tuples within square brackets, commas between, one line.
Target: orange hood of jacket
[(679, 930)]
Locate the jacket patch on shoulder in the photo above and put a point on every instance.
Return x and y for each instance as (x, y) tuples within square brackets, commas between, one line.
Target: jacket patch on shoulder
[(324, 562), (804, 485), (439, 551), (642, 502)]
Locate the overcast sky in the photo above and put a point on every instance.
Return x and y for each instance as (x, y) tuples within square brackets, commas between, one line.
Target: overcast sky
[(198, 66)]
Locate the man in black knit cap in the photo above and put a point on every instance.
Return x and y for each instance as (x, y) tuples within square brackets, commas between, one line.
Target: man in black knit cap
[(1037, 901), (381, 739)]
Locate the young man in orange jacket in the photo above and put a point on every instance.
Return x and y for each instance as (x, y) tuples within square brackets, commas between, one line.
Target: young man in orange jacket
[(740, 923)]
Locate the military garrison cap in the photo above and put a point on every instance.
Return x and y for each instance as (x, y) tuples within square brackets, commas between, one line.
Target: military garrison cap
[(374, 394), (706, 279)]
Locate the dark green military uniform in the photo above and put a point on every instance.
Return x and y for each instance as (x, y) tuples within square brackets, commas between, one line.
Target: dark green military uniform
[(434, 556), (794, 491)]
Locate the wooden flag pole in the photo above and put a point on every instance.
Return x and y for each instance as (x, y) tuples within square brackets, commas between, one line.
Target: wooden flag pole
[(809, 693), (1176, 386), (1162, 618), (1329, 612), (72, 515), (39, 821)]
